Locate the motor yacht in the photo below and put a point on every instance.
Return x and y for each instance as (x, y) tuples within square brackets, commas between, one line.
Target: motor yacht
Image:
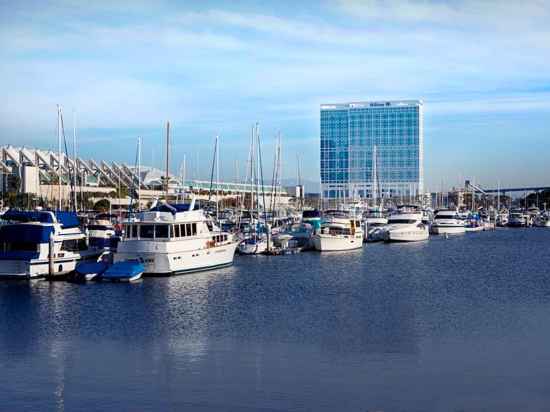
[(175, 239), (518, 218), (406, 225), (42, 243), (447, 222), (339, 231)]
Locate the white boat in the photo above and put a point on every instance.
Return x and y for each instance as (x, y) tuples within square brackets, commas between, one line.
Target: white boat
[(175, 239), (41, 243), (543, 220), (474, 225), (102, 234), (298, 235), (518, 218), (339, 232), (373, 221), (447, 222), (533, 212), (407, 225), (253, 245), (502, 218)]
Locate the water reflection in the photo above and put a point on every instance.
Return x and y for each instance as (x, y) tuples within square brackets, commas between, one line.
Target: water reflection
[(309, 331)]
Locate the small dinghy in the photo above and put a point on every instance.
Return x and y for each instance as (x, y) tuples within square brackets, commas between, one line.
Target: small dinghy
[(125, 271), (86, 271)]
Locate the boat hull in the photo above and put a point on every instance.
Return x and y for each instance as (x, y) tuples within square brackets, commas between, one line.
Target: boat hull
[(406, 235), (474, 229), (37, 268), (448, 230), (252, 248), (335, 243), (181, 262)]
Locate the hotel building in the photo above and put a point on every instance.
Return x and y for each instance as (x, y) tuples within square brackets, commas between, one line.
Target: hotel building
[(372, 149)]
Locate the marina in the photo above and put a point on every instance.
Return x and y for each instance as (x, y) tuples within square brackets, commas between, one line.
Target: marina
[(275, 206)]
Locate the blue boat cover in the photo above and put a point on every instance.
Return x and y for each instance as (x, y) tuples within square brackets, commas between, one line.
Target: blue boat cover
[(66, 219), (21, 233), (27, 216), (174, 208), (85, 268), (123, 270)]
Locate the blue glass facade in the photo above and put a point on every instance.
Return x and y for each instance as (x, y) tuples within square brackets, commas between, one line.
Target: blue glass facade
[(349, 135)]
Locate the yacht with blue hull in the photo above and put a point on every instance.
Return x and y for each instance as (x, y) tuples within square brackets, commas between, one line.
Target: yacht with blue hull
[(41, 243), (175, 239)]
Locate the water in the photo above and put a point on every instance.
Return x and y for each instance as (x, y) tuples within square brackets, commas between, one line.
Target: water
[(446, 325)]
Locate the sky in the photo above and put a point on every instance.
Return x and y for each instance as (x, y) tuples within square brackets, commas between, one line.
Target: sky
[(122, 69)]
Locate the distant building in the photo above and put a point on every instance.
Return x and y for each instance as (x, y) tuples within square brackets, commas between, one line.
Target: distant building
[(367, 142)]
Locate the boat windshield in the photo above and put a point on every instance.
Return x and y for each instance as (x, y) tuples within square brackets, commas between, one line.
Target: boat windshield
[(376, 224), (441, 217), (311, 214), (334, 231), (401, 221)]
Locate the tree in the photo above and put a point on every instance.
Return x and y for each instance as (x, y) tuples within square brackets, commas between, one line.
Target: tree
[(102, 205)]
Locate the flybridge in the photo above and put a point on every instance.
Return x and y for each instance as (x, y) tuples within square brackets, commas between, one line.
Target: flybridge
[(373, 104)]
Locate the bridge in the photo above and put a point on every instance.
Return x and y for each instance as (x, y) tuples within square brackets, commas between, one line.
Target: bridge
[(475, 188)]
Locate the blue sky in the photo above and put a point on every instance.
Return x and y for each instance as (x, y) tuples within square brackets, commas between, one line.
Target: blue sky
[(210, 67)]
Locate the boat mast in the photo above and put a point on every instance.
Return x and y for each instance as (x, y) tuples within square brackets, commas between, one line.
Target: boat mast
[(59, 156), (167, 158), (261, 175), (139, 175), (217, 178), (183, 176), (498, 197), (74, 161), (374, 176), (252, 169)]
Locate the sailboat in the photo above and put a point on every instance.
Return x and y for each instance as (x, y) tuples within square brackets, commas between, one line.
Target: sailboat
[(255, 242), (374, 219)]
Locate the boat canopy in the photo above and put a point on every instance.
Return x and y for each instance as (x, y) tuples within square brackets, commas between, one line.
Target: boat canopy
[(25, 234), (173, 208), (66, 219)]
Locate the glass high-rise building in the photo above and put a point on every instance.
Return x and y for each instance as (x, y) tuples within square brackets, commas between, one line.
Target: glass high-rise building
[(372, 149)]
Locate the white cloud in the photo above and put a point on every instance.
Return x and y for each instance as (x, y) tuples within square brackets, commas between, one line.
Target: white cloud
[(507, 14)]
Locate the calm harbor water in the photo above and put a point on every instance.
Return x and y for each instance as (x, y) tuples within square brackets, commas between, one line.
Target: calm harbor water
[(458, 324)]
